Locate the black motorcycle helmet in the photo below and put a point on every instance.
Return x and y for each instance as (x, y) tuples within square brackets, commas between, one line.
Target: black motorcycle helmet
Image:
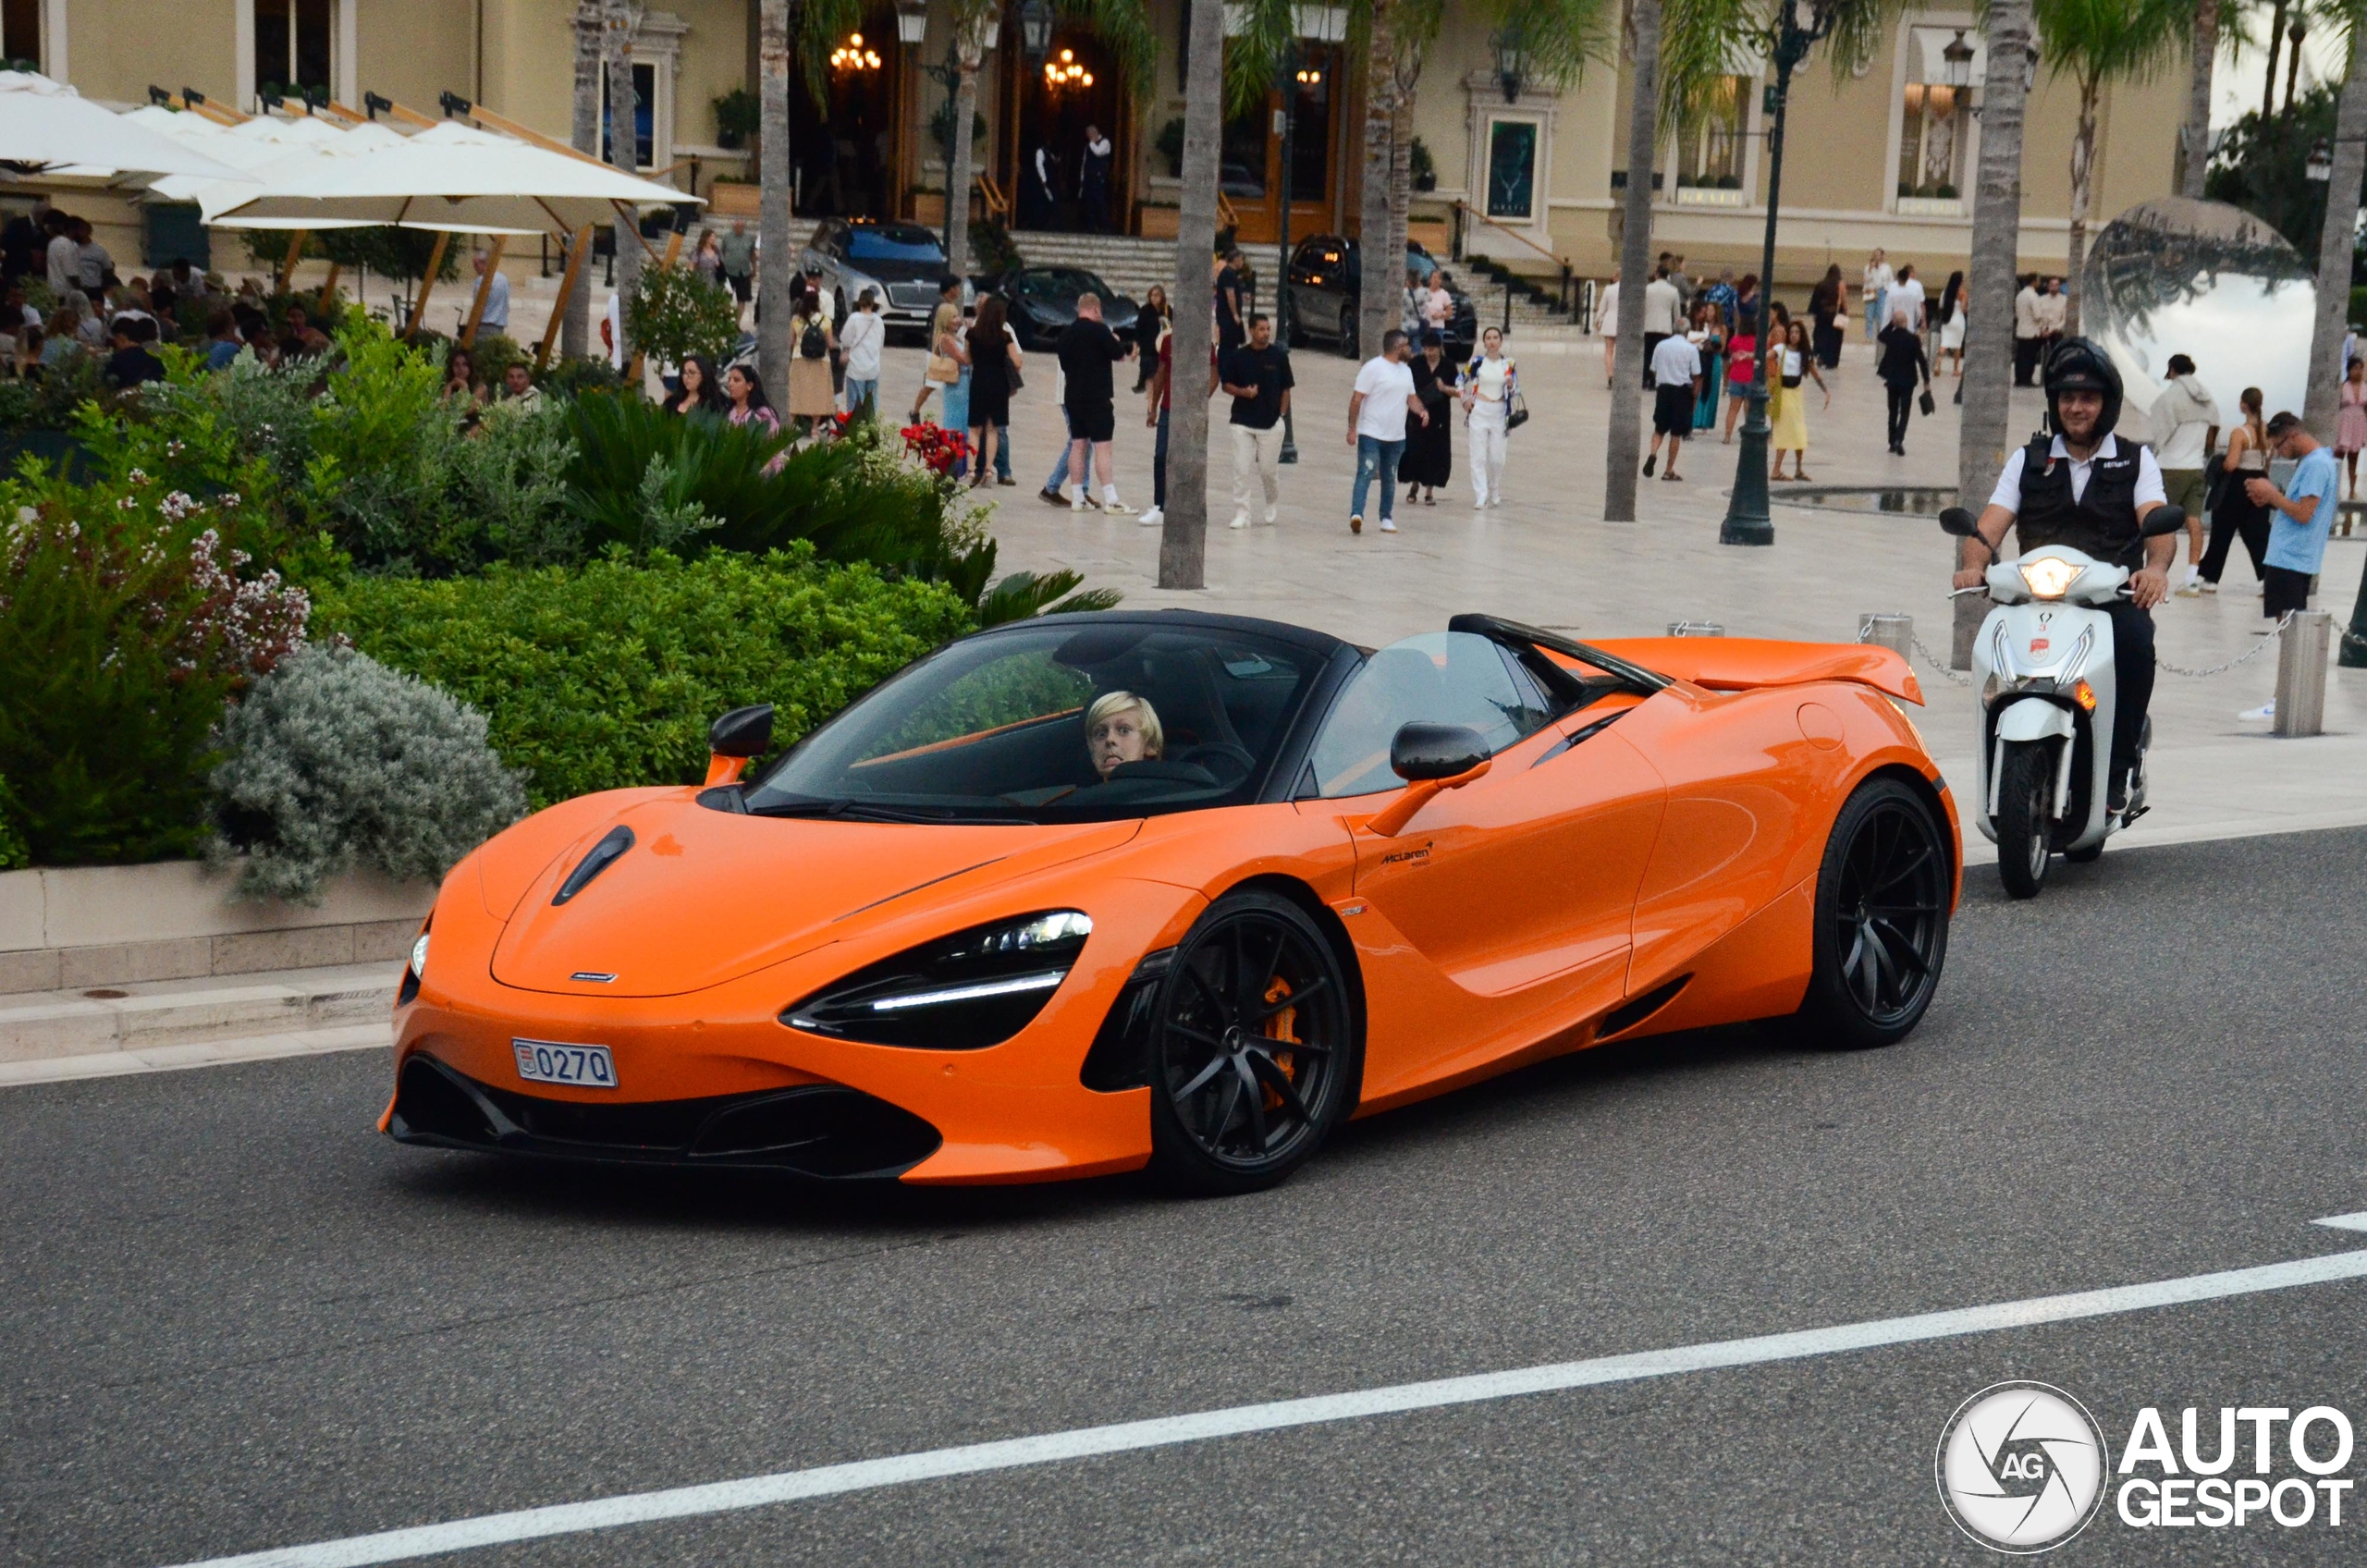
[(2081, 364)]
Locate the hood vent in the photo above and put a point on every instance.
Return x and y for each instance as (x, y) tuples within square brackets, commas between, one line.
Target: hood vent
[(614, 842)]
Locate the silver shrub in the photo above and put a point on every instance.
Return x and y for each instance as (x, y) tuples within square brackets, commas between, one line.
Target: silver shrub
[(336, 761)]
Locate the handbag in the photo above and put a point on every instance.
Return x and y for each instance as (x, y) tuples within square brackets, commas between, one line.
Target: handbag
[(1519, 414), (1927, 402), (943, 369)]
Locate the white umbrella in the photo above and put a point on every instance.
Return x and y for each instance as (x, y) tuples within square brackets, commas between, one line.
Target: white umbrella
[(46, 124), (457, 178)]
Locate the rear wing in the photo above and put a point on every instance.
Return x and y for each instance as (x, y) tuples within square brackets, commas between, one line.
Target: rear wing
[(1740, 664)]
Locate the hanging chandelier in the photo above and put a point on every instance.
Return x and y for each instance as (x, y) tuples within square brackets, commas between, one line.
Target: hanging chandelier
[(853, 56), (1066, 71)]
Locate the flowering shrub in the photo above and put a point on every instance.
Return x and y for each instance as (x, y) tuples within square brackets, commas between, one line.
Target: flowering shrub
[(938, 450)]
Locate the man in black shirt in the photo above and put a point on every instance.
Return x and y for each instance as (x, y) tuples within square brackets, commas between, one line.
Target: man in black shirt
[(1257, 377), (132, 363), (1232, 306), (1087, 349)]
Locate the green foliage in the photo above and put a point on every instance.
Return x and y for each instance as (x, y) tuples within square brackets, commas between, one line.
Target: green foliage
[(738, 115), (495, 352), (55, 401), (2262, 167), (392, 252), (608, 675), (335, 761), (941, 130), (14, 856), (573, 378), (1420, 167), (1170, 146), (675, 314), (992, 250)]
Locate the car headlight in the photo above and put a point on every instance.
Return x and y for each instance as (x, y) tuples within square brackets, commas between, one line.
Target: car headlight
[(973, 989), (407, 992), (2049, 577), (418, 955)]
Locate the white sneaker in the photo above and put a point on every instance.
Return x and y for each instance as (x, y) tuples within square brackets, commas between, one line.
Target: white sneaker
[(1479, 506), (2209, 586), (1495, 500), (1269, 516), (1238, 521), (1389, 525), (1151, 517), (2267, 710), (1115, 506)]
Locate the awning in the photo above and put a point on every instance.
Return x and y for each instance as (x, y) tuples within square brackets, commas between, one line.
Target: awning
[(47, 127)]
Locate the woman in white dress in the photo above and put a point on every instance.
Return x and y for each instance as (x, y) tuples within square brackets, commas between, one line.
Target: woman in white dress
[(1952, 313), (1490, 385), (1606, 315)]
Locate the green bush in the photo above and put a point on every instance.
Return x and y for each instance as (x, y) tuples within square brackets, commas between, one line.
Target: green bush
[(674, 313), (14, 856), (609, 675), (738, 113), (336, 761)]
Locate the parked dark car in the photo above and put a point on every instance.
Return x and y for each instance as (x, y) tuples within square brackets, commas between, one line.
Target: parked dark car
[(1325, 278), (1043, 301), (903, 261)]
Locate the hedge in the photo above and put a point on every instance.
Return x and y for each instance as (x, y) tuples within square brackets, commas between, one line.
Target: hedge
[(608, 675)]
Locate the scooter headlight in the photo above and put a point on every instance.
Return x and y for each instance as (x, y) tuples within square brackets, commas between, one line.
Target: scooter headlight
[(2049, 577)]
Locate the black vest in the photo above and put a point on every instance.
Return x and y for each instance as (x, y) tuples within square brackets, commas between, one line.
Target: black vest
[(2102, 523)]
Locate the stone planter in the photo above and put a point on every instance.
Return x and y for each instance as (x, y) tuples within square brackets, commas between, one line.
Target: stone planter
[(65, 928)]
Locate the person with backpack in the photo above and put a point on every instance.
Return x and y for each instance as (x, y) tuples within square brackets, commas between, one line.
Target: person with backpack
[(811, 395)]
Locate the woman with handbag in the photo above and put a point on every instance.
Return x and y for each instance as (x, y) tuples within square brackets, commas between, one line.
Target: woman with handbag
[(1791, 363), (994, 361), (1493, 408), (1902, 364)]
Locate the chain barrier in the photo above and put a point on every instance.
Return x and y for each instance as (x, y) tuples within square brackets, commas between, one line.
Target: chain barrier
[(2274, 635), (2268, 640), (1954, 678)]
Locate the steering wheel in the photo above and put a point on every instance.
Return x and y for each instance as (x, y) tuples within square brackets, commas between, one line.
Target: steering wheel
[(1242, 762)]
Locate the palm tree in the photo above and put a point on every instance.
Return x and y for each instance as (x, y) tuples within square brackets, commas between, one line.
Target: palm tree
[(1183, 545), (575, 331), (1626, 438), (620, 22), (2093, 43), (804, 26), (2194, 136), (969, 19), (1989, 293), (2334, 241)]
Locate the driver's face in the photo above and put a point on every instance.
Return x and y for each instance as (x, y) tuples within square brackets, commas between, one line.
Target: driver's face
[(1117, 739), (2079, 412)]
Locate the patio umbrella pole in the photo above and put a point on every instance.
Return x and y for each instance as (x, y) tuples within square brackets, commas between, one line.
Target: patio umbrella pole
[(427, 284), (485, 288), (295, 253), (328, 289), (575, 254)]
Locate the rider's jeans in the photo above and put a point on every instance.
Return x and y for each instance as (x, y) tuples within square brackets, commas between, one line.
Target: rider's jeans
[(2132, 653)]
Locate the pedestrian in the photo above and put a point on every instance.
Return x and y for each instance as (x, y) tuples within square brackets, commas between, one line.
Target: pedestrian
[(460, 383), (736, 252), (1377, 409), (1257, 376), (994, 355), (946, 364), (746, 404), (1708, 339), (2350, 421), (1825, 309), (1438, 303), (811, 397), (1952, 316), (1676, 375), (494, 317), (706, 262), (1163, 384), (222, 342), (702, 392), (1429, 462), (1093, 182), (2185, 426), (91, 260), (132, 363), (2029, 331), (1150, 326), (864, 336), (1725, 297), (1901, 366), (1876, 282), (1038, 202), (1087, 349), (1684, 285), (1490, 385), (1663, 317), (2235, 515), (2302, 516), (1606, 313), (1907, 289), (1232, 303), (60, 257), (1791, 364), (1742, 362), (2053, 314)]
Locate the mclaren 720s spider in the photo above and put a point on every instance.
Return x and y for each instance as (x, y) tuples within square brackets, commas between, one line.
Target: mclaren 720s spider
[(1089, 893)]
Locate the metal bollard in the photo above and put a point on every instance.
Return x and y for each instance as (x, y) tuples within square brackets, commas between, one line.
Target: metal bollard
[(1894, 632), (1696, 629), (2302, 673)]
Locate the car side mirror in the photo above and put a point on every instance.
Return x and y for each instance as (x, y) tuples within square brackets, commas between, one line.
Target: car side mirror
[(1956, 520), (733, 739), (1429, 757), (2162, 520)]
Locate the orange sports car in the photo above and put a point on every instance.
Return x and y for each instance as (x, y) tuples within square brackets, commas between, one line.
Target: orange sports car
[(1094, 892)]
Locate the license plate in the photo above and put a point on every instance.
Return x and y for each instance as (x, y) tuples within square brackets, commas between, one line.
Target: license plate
[(548, 1062)]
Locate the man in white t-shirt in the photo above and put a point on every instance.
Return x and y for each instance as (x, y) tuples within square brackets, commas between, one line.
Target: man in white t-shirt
[(1907, 294), (1676, 370), (1663, 317), (1377, 412), (861, 340)]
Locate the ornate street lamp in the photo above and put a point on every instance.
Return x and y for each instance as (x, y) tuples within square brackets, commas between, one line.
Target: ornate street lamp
[(912, 21), (1512, 64), (1955, 61), (1035, 28), (2321, 165)]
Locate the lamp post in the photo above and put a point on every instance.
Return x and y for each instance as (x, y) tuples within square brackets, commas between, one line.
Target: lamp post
[(1747, 521), (1512, 64), (2321, 165), (1290, 75)]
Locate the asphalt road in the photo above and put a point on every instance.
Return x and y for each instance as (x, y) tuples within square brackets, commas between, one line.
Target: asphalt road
[(234, 1317)]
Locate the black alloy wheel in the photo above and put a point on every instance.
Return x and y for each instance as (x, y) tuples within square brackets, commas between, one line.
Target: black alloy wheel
[(1881, 919), (1348, 331), (1255, 1057)]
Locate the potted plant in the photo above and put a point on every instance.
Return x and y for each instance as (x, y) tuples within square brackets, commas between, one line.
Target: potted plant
[(1418, 163), (1170, 146), (737, 115)]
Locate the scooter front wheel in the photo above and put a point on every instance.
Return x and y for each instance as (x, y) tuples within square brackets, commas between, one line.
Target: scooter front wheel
[(2025, 825)]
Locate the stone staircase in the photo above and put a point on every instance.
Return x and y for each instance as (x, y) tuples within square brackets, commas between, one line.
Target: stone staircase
[(1127, 264)]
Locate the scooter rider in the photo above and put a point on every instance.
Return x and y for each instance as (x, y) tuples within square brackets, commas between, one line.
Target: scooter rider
[(2088, 490)]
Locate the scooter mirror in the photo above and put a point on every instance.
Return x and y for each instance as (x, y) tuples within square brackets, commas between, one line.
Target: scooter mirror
[(2163, 519), (1956, 520)]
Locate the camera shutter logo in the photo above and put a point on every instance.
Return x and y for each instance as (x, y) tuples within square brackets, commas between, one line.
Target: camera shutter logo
[(2021, 1467)]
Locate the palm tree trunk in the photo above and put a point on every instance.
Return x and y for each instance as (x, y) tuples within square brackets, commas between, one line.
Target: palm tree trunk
[(957, 168), (2083, 168), (2275, 43), (2335, 243), (1989, 298), (1626, 438), (775, 265), (2194, 136), (1183, 546), (2293, 64), (623, 18), (1400, 184), (1378, 290), (575, 328)]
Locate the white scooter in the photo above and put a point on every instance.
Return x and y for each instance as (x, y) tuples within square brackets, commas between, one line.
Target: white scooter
[(2044, 663)]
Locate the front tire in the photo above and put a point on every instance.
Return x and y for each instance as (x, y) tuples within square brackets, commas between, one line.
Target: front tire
[(1254, 1054), (1882, 920), (1347, 332), (2025, 825)]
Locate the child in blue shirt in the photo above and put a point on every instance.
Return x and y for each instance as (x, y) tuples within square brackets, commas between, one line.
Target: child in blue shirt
[(2300, 517)]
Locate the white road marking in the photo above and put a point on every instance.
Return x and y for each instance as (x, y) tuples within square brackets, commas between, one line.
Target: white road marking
[(828, 1480)]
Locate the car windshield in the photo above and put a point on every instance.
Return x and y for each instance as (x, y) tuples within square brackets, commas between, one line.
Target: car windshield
[(1066, 722), (897, 242), (1060, 284), (1438, 677)]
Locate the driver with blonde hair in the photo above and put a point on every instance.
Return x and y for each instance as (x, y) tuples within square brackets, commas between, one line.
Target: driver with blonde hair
[(1121, 728)]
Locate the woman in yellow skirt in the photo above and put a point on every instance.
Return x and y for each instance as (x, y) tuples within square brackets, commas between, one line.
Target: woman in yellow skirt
[(1790, 364)]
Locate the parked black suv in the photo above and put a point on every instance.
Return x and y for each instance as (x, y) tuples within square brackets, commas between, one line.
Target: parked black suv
[(1325, 276)]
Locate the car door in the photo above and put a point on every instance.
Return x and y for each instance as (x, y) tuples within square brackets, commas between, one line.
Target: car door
[(1310, 271), (1507, 903)]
